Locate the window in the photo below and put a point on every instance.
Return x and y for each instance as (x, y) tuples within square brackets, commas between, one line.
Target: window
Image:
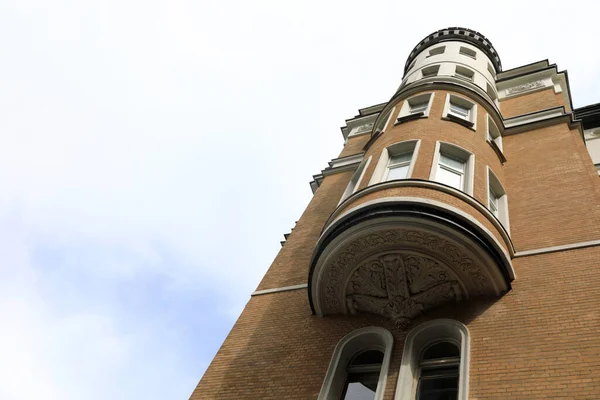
[(435, 360), (418, 106), (451, 171), (355, 179), (436, 51), (460, 110), (490, 91), (430, 71), (491, 70), (465, 51), (493, 133), (464, 73), (497, 199), (359, 366), (396, 162), (363, 375), (453, 166), (398, 166), (438, 372)]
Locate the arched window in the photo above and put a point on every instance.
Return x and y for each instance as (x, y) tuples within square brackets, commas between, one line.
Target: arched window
[(359, 366), (435, 362)]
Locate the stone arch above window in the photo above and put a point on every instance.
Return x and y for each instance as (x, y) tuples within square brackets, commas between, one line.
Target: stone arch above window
[(419, 343), (359, 349)]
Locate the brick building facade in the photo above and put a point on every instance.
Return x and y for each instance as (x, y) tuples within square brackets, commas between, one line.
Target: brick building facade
[(451, 251)]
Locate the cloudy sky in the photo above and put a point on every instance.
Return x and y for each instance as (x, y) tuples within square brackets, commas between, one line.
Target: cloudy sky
[(152, 154)]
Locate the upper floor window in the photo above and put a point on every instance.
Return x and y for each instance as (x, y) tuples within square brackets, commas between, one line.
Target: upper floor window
[(359, 366), (396, 162), (435, 360), (430, 71), (464, 73), (436, 51), (490, 91), (497, 199), (493, 133), (453, 166), (417, 106), (356, 179), (491, 70), (465, 51), (460, 110)]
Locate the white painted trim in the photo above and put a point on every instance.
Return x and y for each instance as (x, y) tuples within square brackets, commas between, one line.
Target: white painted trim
[(335, 216), (534, 117), (389, 119), (405, 109), (382, 163), (345, 161), (488, 136), (369, 338), (420, 337), (355, 180), (469, 160), (280, 289), (554, 249)]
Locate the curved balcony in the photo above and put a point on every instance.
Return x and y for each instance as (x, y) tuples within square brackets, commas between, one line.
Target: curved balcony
[(400, 248)]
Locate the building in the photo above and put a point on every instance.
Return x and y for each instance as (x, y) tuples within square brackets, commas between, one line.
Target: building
[(451, 251)]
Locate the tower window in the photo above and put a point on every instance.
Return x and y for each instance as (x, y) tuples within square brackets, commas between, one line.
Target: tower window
[(359, 366), (464, 73), (453, 166), (439, 372), (465, 51), (363, 375), (490, 91), (436, 51), (493, 133), (430, 71), (491, 70), (418, 106), (396, 162), (497, 199), (436, 357), (355, 179), (460, 110)]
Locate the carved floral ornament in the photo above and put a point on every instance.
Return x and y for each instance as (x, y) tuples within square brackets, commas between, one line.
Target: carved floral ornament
[(402, 272)]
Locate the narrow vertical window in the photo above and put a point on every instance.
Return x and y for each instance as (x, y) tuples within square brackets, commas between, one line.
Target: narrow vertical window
[(439, 372), (497, 199), (355, 179), (493, 133), (493, 201), (363, 375)]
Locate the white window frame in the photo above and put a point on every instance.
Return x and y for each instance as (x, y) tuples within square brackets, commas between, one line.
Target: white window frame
[(356, 179), (436, 51), (369, 338), (381, 169), (493, 184), (466, 51), (430, 71), (387, 120), (492, 133), (464, 73), (458, 153), (491, 92), (461, 101), (421, 98), (491, 70), (420, 338)]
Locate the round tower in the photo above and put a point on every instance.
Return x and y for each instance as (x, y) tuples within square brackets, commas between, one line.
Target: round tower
[(424, 219)]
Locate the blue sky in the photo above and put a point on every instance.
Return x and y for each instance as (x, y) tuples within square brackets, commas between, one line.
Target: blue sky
[(153, 153)]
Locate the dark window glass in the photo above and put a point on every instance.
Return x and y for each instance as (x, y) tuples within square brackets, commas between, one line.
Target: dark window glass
[(363, 376), (438, 372)]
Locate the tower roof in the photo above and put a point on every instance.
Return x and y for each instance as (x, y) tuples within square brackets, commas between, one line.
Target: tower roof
[(461, 34)]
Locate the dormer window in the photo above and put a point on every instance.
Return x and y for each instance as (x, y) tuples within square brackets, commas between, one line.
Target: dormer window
[(436, 51), (464, 73), (465, 51)]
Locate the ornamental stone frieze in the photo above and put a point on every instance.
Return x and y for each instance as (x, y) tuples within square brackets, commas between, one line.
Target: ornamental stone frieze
[(401, 266)]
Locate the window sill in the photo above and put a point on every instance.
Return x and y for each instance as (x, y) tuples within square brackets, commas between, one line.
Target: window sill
[(497, 150), (461, 121), (410, 117)]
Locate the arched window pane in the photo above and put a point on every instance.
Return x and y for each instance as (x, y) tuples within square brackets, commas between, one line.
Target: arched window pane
[(367, 357), (441, 350), (363, 375), (439, 372)]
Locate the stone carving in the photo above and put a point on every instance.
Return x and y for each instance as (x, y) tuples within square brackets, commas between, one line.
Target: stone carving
[(400, 287), (525, 87), (365, 128), (399, 273)]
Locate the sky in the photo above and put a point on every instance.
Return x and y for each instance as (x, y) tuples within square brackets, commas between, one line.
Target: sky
[(153, 153)]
